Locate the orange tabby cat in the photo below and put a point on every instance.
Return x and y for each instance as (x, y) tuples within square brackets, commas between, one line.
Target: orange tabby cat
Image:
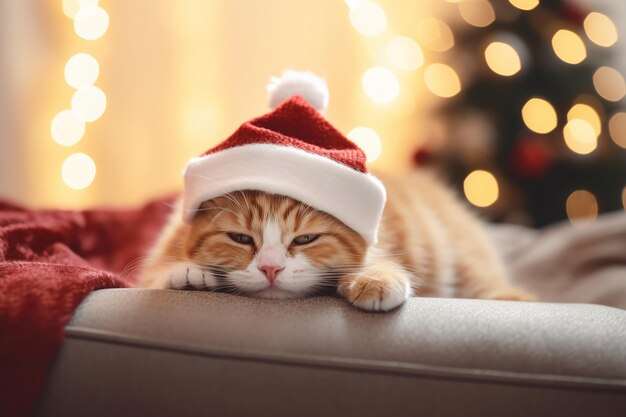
[(271, 246)]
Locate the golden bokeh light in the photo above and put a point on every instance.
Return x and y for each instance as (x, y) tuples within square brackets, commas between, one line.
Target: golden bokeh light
[(81, 70), (581, 207), (442, 80), (617, 128), (539, 115), (502, 59), (600, 29), (525, 4), (587, 113), (67, 128), (569, 47), (78, 171), (368, 140), (435, 34), (380, 84), (580, 136), (477, 13), (91, 22), (624, 198), (405, 54), (368, 18), (89, 103), (481, 188), (609, 83)]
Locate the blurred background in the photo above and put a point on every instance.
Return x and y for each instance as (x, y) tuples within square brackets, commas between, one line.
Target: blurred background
[(518, 103)]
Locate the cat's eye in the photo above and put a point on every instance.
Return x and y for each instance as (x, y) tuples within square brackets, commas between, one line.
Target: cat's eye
[(241, 238), (304, 239)]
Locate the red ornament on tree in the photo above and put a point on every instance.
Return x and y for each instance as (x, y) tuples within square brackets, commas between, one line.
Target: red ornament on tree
[(532, 157)]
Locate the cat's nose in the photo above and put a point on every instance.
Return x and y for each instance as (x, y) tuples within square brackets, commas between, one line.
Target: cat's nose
[(271, 271)]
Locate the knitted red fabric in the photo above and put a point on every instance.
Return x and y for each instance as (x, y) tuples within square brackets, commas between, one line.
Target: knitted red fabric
[(296, 124), (50, 260)]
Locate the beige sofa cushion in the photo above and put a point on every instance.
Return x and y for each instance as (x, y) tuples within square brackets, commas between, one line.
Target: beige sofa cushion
[(163, 352)]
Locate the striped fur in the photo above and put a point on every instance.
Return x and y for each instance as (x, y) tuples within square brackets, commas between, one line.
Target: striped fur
[(429, 245)]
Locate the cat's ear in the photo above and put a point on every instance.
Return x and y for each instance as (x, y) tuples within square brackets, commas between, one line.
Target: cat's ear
[(207, 210)]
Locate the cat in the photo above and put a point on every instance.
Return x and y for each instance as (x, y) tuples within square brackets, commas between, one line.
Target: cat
[(271, 246)]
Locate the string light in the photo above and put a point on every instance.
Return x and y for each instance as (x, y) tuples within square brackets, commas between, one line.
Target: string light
[(580, 136), (586, 113), (81, 70), (67, 128), (502, 59), (600, 29), (89, 103), (367, 17), (91, 22), (442, 80), (368, 140), (380, 84), (581, 207), (481, 188), (405, 54), (477, 13), (569, 47), (539, 115), (525, 4), (78, 171), (617, 128), (609, 83), (434, 34)]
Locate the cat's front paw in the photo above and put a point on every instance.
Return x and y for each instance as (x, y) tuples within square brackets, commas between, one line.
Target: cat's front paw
[(187, 275), (376, 291)]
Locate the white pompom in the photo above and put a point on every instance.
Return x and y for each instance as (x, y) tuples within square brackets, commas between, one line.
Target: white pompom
[(294, 83)]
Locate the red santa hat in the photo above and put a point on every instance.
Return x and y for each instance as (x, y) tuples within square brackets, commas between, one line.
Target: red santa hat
[(292, 151)]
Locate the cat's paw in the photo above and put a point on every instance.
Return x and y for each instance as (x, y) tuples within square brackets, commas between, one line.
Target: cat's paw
[(379, 291), (187, 275)]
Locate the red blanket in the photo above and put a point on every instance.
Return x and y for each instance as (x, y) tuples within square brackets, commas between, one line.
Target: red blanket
[(50, 260)]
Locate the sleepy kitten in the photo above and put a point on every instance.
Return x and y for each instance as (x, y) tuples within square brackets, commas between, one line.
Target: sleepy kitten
[(271, 246)]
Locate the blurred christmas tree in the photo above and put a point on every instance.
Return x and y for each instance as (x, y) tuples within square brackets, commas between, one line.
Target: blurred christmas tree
[(536, 133)]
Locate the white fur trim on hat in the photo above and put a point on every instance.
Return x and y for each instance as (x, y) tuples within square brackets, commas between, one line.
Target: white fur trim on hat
[(294, 83), (355, 198)]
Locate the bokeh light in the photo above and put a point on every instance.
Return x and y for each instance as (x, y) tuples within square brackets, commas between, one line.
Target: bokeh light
[(539, 115), (78, 171), (600, 29), (477, 13), (609, 83), (89, 103), (580, 136), (405, 54), (368, 18), (617, 128), (67, 128), (380, 84), (91, 22), (587, 113), (569, 47), (368, 140), (581, 207), (525, 4), (624, 198), (502, 59), (481, 188), (81, 70), (434, 34), (442, 80)]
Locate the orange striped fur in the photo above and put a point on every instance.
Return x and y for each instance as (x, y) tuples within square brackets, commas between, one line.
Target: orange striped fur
[(429, 245)]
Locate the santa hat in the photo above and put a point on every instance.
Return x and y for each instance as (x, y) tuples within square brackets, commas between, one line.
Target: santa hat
[(291, 151)]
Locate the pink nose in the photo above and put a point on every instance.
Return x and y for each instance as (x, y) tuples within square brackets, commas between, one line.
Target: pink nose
[(270, 271)]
